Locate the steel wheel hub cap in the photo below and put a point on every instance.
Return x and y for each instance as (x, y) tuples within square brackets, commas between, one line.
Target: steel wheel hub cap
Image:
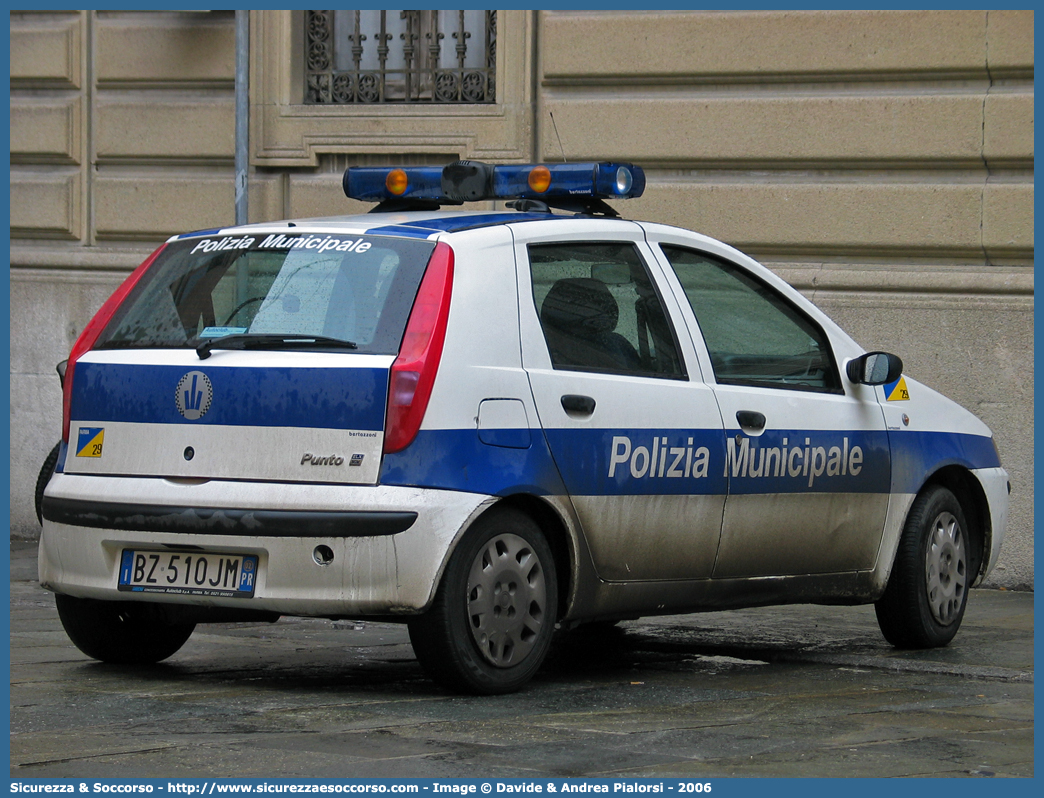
[(506, 600), (946, 569)]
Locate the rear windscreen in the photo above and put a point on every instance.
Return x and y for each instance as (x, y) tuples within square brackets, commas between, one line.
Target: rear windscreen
[(349, 288)]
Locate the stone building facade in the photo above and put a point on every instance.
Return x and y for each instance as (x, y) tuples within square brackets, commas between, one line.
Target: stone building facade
[(881, 161)]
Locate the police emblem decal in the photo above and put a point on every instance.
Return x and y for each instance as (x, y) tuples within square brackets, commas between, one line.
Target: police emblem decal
[(193, 395)]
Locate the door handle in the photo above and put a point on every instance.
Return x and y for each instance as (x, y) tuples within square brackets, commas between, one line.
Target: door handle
[(750, 420), (574, 403)]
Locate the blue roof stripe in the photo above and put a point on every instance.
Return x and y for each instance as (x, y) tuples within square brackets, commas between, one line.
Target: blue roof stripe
[(215, 231), (401, 230), (423, 228)]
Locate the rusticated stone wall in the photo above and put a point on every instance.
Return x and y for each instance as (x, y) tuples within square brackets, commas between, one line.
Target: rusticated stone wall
[(880, 161)]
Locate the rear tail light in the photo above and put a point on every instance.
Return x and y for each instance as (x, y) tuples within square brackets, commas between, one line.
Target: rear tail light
[(413, 372), (94, 329)]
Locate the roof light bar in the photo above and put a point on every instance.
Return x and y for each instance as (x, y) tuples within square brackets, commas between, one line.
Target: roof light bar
[(376, 184), (470, 181), (539, 181)]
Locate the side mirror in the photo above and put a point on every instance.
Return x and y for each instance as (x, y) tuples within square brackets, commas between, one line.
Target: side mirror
[(875, 368)]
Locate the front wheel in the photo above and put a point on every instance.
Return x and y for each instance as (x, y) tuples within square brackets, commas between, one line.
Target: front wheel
[(490, 626), (120, 632), (927, 592)]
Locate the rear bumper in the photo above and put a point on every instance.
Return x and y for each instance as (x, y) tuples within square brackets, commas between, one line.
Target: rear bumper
[(389, 544), (256, 522)]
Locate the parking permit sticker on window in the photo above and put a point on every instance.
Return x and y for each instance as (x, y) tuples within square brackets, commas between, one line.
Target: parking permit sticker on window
[(89, 441), (220, 332), (896, 391)]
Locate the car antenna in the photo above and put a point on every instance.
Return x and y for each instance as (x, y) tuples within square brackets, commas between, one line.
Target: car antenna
[(552, 115)]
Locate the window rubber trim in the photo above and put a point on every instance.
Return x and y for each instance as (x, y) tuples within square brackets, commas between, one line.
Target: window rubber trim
[(226, 521)]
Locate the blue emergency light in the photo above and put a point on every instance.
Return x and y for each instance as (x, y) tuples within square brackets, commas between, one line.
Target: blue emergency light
[(577, 186), (379, 183)]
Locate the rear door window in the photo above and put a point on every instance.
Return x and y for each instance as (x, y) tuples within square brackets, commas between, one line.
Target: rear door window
[(349, 288), (600, 311)]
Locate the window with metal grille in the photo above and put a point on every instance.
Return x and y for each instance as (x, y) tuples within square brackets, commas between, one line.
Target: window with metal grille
[(400, 56)]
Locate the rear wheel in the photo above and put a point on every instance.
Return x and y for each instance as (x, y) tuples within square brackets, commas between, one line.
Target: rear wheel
[(490, 626), (924, 603), (120, 632), (46, 471)]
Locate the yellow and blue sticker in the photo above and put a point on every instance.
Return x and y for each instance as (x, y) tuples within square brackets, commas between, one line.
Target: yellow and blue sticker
[(896, 391), (89, 442)]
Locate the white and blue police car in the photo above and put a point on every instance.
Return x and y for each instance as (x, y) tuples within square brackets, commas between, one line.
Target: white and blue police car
[(489, 424)]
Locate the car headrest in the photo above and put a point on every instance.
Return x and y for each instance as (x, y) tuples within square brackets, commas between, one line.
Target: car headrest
[(581, 306)]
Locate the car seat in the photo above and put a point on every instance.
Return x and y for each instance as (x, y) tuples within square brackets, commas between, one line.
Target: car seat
[(579, 317)]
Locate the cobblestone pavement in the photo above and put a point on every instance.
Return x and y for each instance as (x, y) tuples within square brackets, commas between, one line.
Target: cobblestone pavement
[(783, 691)]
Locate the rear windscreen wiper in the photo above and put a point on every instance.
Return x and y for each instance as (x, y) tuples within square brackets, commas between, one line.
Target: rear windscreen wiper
[(271, 341)]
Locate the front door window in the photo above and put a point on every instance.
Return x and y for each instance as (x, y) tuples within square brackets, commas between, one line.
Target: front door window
[(754, 336)]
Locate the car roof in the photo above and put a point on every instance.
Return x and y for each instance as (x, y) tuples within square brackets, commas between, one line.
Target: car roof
[(407, 224)]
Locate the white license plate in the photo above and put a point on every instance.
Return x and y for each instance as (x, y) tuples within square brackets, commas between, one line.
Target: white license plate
[(188, 573)]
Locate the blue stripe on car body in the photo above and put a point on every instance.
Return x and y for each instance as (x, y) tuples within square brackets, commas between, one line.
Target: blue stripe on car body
[(916, 455), (330, 398), (458, 460)]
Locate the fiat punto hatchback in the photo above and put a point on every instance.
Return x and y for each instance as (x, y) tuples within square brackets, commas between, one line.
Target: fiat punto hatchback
[(490, 424)]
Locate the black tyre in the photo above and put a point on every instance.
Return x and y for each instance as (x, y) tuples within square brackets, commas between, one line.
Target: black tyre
[(491, 623), (120, 632), (46, 470), (923, 605)]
